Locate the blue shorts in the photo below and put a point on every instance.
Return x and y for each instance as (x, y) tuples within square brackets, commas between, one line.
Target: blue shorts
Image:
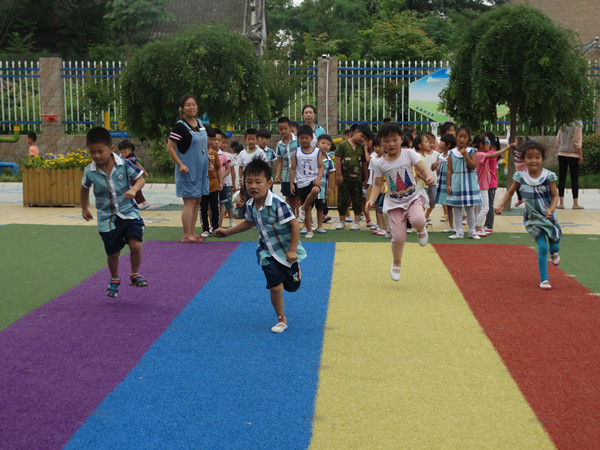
[(379, 203), (285, 189), (276, 273), (116, 239)]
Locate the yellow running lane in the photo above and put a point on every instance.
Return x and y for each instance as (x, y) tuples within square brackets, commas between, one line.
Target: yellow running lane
[(406, 364)]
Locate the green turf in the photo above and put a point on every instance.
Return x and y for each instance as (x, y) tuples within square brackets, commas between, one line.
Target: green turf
[(40, 262)]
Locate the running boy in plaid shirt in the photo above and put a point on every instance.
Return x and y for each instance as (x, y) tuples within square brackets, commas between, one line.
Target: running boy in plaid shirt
[(119, 220), (279, 250)]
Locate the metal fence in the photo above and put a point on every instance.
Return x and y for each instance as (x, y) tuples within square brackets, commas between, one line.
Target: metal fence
[(368, 91), (79, 110), (19, 95)]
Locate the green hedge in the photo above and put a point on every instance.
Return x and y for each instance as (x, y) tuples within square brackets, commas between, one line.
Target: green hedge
[(591, 154)]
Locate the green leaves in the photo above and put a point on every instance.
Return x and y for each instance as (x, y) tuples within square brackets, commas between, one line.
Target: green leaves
[(220, 67)]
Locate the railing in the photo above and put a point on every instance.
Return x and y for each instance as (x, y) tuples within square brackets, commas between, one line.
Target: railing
[(19, 95), (367, 92), (76, 75)]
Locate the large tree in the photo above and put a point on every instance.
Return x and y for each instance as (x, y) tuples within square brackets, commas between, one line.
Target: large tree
[(219, 66), (515, 55)]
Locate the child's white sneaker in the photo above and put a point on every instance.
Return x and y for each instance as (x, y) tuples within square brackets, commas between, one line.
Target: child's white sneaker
[(309, 235), (231, 223), (355, 226), (279, 328), (395, 272), (422, 237), (340, 226), (321, 231), (456, 236), (205, 234), (555, 259), (449, 230), (474, 235), (301, 215), (370, 224), (387, 235)]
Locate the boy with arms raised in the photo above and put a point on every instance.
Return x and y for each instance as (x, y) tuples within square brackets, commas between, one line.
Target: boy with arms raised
[(119, 220), (279, 250)]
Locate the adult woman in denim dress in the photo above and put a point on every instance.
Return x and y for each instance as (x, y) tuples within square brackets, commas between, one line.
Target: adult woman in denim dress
[(188, 147)]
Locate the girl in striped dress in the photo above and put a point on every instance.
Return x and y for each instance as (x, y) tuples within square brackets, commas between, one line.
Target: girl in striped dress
[(447, 143), (461, 182), (540, 195)]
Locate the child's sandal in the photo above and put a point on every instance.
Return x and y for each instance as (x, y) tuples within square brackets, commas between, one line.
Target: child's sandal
[(137, 280), (113, 287)]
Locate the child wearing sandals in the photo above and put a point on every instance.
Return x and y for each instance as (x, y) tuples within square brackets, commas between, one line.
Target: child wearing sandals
[(540, 195), (279, 249), (119, 220), (404, 200)]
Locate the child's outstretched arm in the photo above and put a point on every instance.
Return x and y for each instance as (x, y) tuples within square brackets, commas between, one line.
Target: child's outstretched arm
[(238, 228), (506, 198), (137, 186), (375, 191), (84, 195), (291, 255), (554, 202), (424, 174), (293, 175), (500, 152)]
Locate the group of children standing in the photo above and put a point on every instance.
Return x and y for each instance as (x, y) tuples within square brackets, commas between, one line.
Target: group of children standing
[(408, 175)]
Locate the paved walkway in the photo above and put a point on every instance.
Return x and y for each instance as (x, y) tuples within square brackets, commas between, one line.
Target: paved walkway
[(159, 196)]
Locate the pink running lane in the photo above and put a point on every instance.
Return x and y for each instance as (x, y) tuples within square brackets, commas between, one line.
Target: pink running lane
[(60, 361)]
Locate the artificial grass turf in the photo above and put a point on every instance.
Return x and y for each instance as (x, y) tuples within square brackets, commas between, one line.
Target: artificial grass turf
[(39, 262)]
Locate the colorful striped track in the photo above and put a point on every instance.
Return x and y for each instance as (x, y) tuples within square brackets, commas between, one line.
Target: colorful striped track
[(459, 354)]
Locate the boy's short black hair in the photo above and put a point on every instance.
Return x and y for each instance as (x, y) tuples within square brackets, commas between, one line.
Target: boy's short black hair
[(376, 140), (364, 129), (304, 129), (210, 131), (388, 129), (264, 133), (31, 135), (218, 132), (250, 132), (257, 167), (126, 143), (98, 135), (283, 120), (294, 124), (327, 138)]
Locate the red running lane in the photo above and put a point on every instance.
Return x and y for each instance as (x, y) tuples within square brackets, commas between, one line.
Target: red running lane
[(548, 340)]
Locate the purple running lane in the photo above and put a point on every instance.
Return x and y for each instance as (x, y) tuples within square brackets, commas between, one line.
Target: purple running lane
[(60, 361)]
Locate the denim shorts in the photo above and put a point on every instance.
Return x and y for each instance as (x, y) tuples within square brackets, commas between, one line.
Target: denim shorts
[(115, 240), (276, 273)]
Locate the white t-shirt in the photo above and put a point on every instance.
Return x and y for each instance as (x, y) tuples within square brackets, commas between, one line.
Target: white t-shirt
[(244, 157), (399, 175), (307, 166), (374, 160)]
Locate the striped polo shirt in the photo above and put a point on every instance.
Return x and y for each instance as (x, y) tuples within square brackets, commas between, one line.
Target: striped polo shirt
[(271, 221), (110, 190)]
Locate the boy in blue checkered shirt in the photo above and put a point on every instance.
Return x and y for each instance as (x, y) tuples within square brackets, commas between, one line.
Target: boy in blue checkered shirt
[(115, 181), (279, 250)]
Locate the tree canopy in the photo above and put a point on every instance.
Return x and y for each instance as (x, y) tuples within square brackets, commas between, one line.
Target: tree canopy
[(515, 55), (219, 66)]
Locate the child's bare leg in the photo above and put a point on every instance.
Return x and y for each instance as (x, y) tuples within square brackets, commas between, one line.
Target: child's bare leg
[(398, 227), (450, 214), (319, 218), (113, 264), (310, 198), (277, 302), (135, 254), (428, 212), (365, 211), (308, 218), (445, 208), (381, 221)]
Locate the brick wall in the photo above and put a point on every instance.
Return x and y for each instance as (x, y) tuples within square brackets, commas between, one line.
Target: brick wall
[(578, 15)]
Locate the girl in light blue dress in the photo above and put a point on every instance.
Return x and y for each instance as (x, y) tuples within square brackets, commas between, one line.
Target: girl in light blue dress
[(540, 195)]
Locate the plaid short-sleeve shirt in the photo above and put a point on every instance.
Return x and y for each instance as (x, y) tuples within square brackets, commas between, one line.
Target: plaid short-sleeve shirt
[(110, 190), (271, 221)]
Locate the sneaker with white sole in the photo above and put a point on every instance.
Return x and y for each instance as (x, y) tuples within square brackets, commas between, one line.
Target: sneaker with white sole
[(449, 230), (387, 235), (456, 236), (205, 234), (555, 259), (309, 235), (340, 226), (321, 231), (395, 275), (303, 231), (474, 236), (349, 219), (355, 226), (370, 224), (301, 215)]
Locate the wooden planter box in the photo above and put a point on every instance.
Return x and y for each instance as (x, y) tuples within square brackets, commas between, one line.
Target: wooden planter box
[(52, 187)]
